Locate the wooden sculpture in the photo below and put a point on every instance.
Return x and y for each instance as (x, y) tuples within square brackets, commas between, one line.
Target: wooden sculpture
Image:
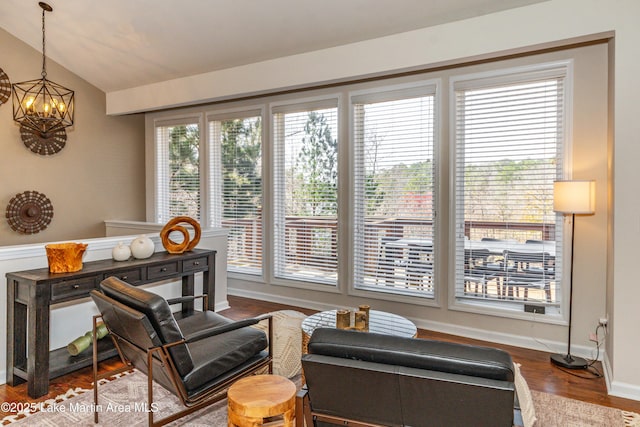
[(187, 243)]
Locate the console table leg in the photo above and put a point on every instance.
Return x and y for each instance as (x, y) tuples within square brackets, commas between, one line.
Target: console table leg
[(209, 282), (38, 347), (16, 340)]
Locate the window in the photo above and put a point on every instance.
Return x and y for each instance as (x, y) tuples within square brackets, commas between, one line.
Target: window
[(509, 145), (306, 192), (236, 187), (177, 169), (285, 175), (393, 133)]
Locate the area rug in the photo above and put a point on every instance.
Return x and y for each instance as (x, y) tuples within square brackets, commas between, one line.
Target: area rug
[(121, 404)]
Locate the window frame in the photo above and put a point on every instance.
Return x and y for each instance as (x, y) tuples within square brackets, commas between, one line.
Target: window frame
[(383, 93), (214, 196), (562, 68), (153, 185), (293, 105)]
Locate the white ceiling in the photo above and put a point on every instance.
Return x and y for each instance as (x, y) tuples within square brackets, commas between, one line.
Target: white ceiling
[(119, 44)]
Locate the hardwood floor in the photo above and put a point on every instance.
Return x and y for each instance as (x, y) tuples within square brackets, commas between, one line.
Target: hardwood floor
[(536, 368)]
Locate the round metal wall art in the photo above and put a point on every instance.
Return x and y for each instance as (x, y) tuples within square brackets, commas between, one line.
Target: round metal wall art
[(45, 146), (5, 87), (29, 212)]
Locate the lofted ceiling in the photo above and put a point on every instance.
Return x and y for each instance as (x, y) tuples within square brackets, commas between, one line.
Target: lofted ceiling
[(119, 44)]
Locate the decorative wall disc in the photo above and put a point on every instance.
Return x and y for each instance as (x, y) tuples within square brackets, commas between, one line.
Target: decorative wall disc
[(44, 146), (5, 87), (29, 212)]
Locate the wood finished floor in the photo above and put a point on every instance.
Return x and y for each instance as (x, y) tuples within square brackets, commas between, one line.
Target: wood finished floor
[(536, 368)]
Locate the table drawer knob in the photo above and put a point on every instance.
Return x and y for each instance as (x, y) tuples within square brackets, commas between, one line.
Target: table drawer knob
[(163, 269), (196, 262), (124, 278), (76, 286)]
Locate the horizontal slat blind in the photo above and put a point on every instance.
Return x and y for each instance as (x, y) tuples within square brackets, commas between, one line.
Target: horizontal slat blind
[(509, 150), (178, 171), (236, 189), (394, 190), (305, 193)]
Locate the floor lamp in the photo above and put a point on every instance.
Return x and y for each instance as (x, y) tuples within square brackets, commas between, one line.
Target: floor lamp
[(572, 197)]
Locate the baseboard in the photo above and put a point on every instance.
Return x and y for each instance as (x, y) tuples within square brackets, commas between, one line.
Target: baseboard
[(298, 302), (222, 305), (618, 388), (464, 331), (529, 342)]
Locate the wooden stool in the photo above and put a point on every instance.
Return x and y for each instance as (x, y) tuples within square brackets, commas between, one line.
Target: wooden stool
[(251, 399)]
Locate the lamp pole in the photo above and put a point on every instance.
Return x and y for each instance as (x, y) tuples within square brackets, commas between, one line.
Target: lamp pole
[(568, 361), (572, 197)]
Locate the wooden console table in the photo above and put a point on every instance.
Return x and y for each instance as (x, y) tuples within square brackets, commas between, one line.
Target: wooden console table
[(31, 293)]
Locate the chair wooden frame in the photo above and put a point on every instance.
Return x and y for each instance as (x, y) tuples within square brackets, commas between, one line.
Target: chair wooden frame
[(161, 354)]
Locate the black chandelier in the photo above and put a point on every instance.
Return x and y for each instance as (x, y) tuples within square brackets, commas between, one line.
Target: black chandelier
[(42, 107)]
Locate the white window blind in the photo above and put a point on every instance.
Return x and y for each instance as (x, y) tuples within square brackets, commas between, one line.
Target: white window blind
[(509, 142), (178, 171), (306, 192), (394, 205), (236, 188)]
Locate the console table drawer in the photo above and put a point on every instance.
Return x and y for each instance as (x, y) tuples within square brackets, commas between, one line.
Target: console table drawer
[(163, 270), (71, 289), (194, 264), (130, 276)]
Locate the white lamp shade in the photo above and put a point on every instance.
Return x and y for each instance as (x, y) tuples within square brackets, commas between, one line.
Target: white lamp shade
[(574, 197)]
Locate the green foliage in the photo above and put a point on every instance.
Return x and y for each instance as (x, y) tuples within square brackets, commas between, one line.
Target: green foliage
[(241, 172), (317, 168), (184, 174)]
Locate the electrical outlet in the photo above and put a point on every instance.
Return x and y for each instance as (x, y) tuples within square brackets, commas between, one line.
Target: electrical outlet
[(603, 321), (531, 308)]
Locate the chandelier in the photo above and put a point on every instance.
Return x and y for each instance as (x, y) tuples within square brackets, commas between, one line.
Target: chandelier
[(43, 108)]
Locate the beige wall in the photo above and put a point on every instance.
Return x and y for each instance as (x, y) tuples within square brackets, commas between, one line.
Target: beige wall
[(544, 24), (98, 175), (588, 157)]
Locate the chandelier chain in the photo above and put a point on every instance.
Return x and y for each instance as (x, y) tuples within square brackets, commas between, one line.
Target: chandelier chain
[(44, 56)]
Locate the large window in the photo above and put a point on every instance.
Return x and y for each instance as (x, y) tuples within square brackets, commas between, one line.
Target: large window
[(509, 145), (236, 187), (305, 224), (392, 189), (177, 169), (393, 134)]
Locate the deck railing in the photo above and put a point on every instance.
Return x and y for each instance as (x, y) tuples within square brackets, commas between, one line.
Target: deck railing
[(245, 237)]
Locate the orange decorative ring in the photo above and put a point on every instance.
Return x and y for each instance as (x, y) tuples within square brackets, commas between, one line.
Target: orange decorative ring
[(187, 243)]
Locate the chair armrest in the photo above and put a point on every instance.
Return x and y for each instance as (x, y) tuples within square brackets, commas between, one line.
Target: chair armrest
[(217, 330), (188, 298)]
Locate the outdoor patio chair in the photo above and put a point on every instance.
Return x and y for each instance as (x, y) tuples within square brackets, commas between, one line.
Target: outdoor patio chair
[(533, 270), (195, 355), (478, 271)]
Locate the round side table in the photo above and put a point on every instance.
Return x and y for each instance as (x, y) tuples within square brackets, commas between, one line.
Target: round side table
[(251, 399)]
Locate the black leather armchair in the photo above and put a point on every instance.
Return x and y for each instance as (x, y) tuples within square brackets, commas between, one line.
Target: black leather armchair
[(364, 379), (196, 356)]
